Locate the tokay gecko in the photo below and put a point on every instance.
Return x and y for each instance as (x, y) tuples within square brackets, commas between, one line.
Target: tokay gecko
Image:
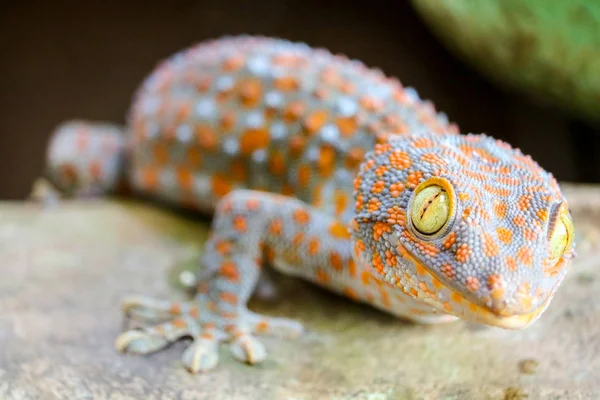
[(326, 170)]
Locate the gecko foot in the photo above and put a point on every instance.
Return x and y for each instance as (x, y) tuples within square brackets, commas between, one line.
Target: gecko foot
[(200, 321)]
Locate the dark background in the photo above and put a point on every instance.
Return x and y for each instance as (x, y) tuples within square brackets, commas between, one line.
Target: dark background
[(65, 59)]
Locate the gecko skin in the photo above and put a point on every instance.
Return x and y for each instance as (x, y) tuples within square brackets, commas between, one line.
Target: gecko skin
[(329, 171)]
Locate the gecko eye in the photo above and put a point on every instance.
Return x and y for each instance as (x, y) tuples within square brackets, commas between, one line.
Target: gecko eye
[(432, 207), (562, 235)]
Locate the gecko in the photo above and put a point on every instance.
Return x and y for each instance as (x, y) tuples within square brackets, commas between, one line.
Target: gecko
[(329, 171)]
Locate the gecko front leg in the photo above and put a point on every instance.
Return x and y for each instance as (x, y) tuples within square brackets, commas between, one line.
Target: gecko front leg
[(243, 231)]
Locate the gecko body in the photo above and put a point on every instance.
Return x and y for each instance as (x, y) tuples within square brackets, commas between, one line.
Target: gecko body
[(330, 171)]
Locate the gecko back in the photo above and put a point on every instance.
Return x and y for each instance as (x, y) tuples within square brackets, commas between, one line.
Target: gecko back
[(249, 112)]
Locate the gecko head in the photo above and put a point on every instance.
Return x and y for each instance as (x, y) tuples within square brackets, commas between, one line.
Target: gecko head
[(465, 223)]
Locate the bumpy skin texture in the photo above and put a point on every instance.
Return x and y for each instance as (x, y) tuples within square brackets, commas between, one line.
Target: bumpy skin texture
[(272, 136)]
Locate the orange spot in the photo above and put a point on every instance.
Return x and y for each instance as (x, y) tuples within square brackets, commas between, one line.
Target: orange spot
[(304, 175), (276, 227), (450, 240), (519, 220), (286, 84), (336, 261), (207, 137), (525, 256), (422, 143), (500, 208), (254, 139), (228, 297), (150, 178), (315, 120), (377, 263), (371, 104), (340, 201), (240, 224), (313, 246), (463, 253), (366, 278), (396, 189), (301, 216), (472, 283), (298, 239), (262, 326), (229, 271), (359, 248), (223, 247), (238, 170), (400, 160), (293, 111), (354, 157), (322, 276), (351, 267), (179, 323), (96, 170), (185, 178), (448, 271), (524, 202), (296, 145), (374, 204), (277, 164), (542, 215), (227, 121), (433, 158), (511, 263), (326, 162), (396, 215), (504, 235), (193, 157), (378, 187), (175, 309), (220, 185), (250, 92), (233, 63), (381, 170), (346, 125), (379, 228), (490, 247), (339, 230), (455, 297), (413, 179), (348, 292), (160, 153)]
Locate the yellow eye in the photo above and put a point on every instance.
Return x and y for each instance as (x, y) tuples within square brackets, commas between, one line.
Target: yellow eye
[(432, 207), (562, 236)]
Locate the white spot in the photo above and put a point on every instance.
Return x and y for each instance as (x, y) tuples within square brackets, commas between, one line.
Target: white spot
[(346, 106), (224, 83), (259, 65), (412, 94), (330, 133), (274, 99), (202, 185), (278, 131), (205, 108), (231, 146), (312, 154), (167, 178), (152, 130), (184, 133), (259, 156), (187, 279), (255, 119), (149, 105)]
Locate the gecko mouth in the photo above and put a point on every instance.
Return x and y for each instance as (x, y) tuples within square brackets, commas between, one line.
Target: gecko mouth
[(469, 308)]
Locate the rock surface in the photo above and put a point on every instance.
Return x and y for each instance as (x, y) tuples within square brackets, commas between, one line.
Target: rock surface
[(65, 268)]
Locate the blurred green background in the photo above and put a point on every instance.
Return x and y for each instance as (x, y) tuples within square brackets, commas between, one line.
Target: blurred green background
[(69, 59)]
